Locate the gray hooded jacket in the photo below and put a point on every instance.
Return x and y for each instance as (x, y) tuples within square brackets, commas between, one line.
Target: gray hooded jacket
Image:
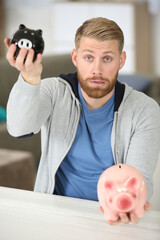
[(53, 107)]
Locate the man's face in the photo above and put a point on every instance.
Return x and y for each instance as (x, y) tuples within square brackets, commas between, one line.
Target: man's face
[(98, 64)]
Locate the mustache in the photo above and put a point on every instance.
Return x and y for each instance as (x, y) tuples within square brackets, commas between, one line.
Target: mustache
[(97, 78)]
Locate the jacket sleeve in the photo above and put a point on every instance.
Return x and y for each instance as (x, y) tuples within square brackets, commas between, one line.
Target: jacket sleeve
[(28, 108), (144, 144)]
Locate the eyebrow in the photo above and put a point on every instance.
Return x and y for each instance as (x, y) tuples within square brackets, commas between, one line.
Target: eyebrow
[(106, 52)]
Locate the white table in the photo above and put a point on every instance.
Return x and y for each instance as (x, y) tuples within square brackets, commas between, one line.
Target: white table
[(26, 215)]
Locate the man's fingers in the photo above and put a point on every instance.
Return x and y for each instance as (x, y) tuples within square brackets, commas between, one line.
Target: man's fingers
[(7, 42), (29, 59), (124, 218), (38, 58), (147, 206), (134, 219), (21, 58), (31, 70), (113, 223), (101, 209), (10, 54)]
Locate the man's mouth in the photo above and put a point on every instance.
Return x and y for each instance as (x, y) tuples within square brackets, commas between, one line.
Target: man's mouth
[(97, 83)]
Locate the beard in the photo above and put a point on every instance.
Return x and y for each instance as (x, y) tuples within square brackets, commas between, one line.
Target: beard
[(97, 91)]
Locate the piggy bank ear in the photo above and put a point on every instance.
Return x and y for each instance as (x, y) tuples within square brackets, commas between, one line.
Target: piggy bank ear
[(109, 185), (133, 183), (39, 32), (21, 26)]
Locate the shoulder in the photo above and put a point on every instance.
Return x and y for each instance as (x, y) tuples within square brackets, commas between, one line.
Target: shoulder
[(139, 99), (139, 106), (57, 86), (54, 83)]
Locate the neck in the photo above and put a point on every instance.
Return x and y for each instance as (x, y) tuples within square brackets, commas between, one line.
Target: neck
[(95, 103)]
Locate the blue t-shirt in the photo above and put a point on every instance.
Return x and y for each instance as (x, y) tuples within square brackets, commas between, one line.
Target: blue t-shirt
[(90, 153)]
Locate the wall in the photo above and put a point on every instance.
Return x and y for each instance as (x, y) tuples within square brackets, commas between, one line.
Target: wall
[(156, 44), (38, 14), (64, 30), (2, 24), (34, 14)]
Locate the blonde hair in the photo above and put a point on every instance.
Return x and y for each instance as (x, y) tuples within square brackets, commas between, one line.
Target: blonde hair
[(100, 29)]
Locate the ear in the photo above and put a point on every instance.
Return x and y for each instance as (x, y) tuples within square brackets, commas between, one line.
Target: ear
[(22, 26), (132, 183), (122, 59), (39, 32), (74, 57)]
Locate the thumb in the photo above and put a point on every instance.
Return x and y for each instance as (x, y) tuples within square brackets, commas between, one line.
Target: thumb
[(101, 209), (7, 42), (147, 206)]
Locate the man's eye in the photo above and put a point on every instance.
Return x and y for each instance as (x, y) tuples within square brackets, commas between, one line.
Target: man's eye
[(107, 59), (88, 58)]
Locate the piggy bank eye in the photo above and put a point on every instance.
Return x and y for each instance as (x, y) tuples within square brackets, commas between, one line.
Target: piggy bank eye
[(109, 185), (134, 195)]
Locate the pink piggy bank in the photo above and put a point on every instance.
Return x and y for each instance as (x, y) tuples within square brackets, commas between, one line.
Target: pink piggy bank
[(122, 188)]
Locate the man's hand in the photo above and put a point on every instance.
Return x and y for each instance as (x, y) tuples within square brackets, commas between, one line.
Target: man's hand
[(31, 71), (126, 218)]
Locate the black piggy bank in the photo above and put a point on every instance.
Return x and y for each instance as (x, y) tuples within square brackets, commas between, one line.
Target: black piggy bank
[(28, 38)]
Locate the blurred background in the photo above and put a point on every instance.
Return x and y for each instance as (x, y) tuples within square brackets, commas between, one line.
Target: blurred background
[(140, 22), (139, 19)]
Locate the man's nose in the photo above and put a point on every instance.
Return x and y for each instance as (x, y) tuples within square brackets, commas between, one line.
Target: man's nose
[(97, 68)]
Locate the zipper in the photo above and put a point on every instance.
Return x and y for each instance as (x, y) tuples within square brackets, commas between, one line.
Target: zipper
[(115, 139)]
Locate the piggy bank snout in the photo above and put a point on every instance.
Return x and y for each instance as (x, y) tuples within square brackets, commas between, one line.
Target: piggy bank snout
[(124, 202)]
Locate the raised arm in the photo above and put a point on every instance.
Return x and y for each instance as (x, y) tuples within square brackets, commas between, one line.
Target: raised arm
[(29, 102)]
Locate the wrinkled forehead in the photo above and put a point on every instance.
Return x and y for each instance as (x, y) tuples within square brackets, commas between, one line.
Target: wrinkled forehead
[(93, 44)]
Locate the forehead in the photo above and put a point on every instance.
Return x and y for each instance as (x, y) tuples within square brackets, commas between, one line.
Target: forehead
[(91, 44)]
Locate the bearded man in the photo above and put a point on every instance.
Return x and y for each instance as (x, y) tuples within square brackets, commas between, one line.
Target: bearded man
[(88, 120)]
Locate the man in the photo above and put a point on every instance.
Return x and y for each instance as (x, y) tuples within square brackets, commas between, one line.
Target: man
[(88, 120)]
